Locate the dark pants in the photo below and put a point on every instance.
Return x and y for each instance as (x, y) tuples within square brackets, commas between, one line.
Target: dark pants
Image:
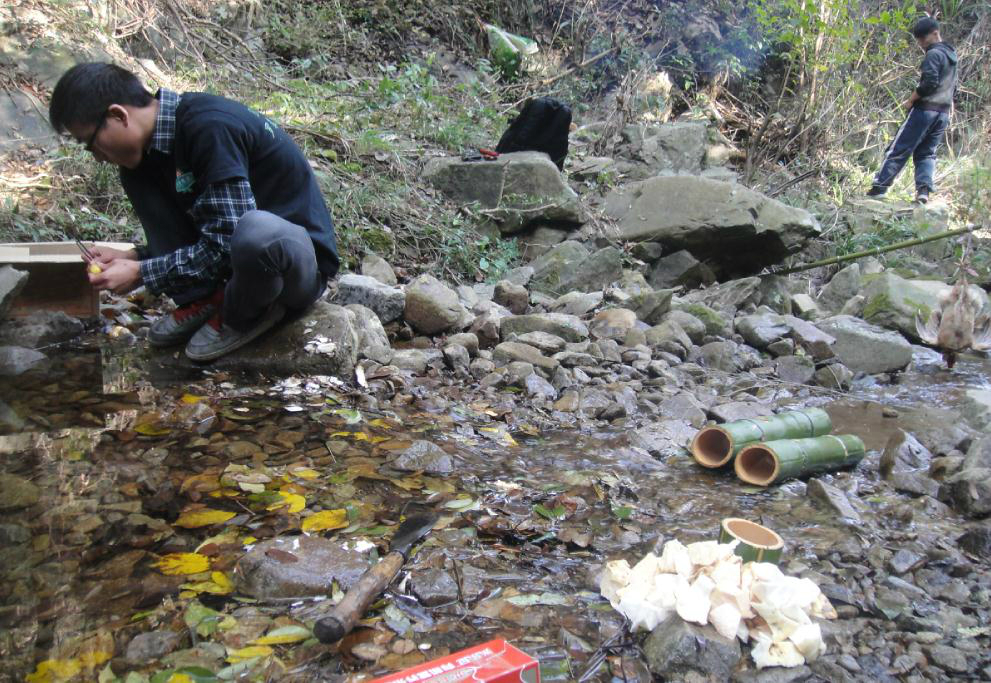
[(272, 260), (919, 137)]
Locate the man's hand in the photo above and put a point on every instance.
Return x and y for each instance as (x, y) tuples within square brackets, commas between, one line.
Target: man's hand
[(104, 255), (119, 276), (908, 104)]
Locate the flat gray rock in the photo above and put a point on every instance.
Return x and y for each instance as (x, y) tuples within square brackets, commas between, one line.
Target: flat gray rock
[(386, 301), (424, 456), (298, 566)]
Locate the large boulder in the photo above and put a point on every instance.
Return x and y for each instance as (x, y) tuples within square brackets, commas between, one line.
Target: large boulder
[(676, 648), (678, 146), (569, 267), (517, 191), (738, 228), (432, 307), (387, 302), (893, 301), (863, 347), (728, 297), (841, 288), (323, 341), (40, 328), (11, 283)]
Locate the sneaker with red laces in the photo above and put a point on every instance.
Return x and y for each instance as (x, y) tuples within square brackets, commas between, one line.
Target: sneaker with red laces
[(215, 339), (181, 324)]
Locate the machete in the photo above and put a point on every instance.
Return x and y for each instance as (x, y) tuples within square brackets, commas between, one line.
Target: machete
[(346, 614)]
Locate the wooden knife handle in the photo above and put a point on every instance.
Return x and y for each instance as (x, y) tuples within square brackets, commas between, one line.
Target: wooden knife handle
[(346, 614)]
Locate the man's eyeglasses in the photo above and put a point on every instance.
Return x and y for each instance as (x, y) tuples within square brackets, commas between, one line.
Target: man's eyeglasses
[(96, 131)]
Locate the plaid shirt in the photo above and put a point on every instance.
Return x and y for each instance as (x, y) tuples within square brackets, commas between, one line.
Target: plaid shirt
[(215, 212)]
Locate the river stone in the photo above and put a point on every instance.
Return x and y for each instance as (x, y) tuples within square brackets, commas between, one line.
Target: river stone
[(487, 326), (679, 146), (782, 347), (651, 305), (976, 408), (542, 341), (692, 326), (977, 542), (457, 358), (739, 410), (863, 347), (368, 325), (762, 329), (795, 369), (684, 406), (727, 356), (816, 343), (904, 453), (11, 283), (145, 648), (540, 241), (568, 327), (715, 323), (322, 341), (832, 498), (298, 566), (40, 328), (16, 360), (834, 376), (413, 361), (518, 191), (577, 303), (728, 297), (433, 587), (675, 648), (680, 269), (377, 267), (726, 222), (666, 332), (805, 307), (466, 339), (612, 323), (664, 438), (969, 491), (556, 265), (948, 658), (841, 288), (535, 385), (508, 352), (387, 302), (17, 492), (431, 306), (514, 297), (424, 456)]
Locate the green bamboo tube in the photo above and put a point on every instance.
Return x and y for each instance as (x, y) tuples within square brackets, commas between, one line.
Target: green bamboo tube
[(716, 445), (756, 543), (764, 464)]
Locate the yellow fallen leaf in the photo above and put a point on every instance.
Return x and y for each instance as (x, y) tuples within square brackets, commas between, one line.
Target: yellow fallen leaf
[(218, 584), (54, 670), (293, 501), (325, 520), (94, 658), (151, 429), (249, 540), (283, 636), (183, 564), (380, 423), (190, 398), (250, 652), (305, 473), (193, 519), (180, 678)]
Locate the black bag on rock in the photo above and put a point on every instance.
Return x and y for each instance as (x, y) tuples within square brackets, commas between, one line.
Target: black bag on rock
[(541, 126)]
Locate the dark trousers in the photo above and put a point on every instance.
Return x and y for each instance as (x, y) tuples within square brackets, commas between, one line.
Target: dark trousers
[(919, 137), (272, 260)]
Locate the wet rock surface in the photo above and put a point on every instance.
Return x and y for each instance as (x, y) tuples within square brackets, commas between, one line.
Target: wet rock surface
[(298, 566)]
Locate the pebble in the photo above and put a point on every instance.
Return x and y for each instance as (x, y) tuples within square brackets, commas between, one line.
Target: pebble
[(947, 658)]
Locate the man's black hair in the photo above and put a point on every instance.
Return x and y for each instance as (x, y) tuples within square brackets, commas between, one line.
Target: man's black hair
[(85, 92), (924, 26)]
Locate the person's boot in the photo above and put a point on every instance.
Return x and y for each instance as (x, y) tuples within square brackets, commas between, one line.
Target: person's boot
[(922, 196), (181, 324), (876, 192), (215, 339)]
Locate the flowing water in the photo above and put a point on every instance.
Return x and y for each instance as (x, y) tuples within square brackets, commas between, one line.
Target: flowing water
[(116, 448)]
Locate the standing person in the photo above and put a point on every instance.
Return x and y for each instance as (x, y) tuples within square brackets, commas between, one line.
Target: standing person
[(928, 115), (237, 231)]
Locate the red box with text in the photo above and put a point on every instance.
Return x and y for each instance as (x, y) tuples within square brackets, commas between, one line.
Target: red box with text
[(493, 662)]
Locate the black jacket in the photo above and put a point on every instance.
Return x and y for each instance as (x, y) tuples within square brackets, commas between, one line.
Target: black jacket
[(938, 80)]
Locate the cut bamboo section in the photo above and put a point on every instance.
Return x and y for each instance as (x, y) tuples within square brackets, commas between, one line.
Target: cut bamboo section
[(715, 446), (756, 543), (764, 464)]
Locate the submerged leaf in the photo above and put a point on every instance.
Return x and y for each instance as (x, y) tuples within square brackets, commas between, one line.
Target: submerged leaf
[(249, 652), (284, 635), (326, 520), (182, 564), (293, 501), (193, 519)]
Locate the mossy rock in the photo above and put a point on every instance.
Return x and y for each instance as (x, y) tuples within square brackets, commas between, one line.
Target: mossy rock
[(715, 323)]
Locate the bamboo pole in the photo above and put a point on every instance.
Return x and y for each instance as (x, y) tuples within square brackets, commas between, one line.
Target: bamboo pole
[(767, 463), (873, 252), (716, 445)]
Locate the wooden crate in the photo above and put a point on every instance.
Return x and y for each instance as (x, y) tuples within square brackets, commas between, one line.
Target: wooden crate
[(56, 277)]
